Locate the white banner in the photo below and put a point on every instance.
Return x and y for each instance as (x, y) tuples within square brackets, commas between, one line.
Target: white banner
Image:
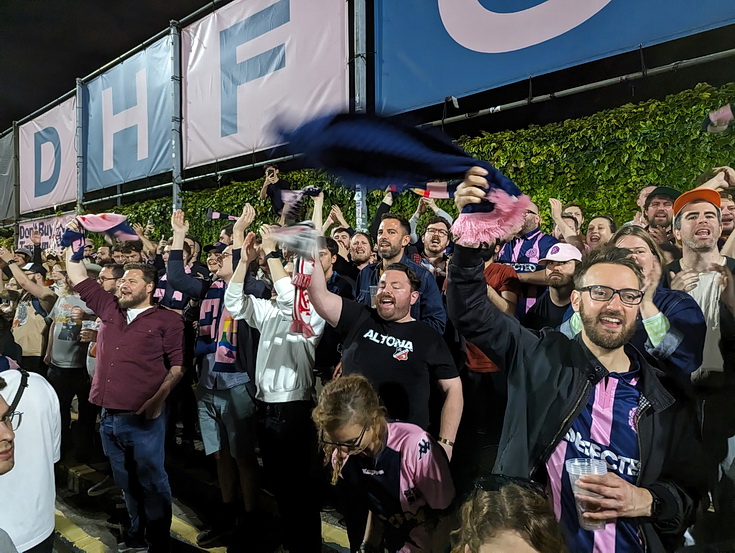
[(51, 230), (254, 62), (48, 158)]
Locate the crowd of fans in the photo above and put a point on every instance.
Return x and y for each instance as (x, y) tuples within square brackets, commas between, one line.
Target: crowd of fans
[(447, 384)]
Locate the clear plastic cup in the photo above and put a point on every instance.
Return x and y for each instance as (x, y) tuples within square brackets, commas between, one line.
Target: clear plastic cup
[(582, 467), (373, 295)]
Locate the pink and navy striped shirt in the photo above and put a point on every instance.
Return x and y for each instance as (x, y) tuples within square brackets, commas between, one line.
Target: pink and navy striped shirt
[(607, 428)]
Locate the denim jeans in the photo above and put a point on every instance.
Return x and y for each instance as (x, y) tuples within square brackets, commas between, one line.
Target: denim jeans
[(134, 446)]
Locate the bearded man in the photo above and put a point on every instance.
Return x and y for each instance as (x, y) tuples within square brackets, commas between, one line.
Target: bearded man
[(139, 361), (592, 397)]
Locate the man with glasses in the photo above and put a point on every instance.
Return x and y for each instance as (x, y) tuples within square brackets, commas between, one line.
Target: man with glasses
[(394, 234), (30, 435), (522, 253), (435, 240), (591, 397)]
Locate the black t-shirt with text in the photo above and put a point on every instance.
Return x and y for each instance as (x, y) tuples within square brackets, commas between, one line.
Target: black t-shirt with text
[(545, 313), (399, 359)]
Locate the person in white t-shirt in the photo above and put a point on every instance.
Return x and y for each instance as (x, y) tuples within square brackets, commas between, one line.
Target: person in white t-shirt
[(28, 491)]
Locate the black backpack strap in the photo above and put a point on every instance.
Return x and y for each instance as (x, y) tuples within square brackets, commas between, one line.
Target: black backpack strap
[(21, 389)]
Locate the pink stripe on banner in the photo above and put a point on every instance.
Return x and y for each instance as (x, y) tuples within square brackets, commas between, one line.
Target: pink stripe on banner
[(555, 469), (602, 411), (437, 190), (604, 540)]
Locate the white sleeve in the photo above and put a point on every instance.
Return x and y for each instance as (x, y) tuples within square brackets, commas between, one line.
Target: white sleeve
[(447, 216), (243, 306), (285, 296)]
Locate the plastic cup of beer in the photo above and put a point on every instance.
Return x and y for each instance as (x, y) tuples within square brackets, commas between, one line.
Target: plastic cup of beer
[(373, 296), (584, 467)]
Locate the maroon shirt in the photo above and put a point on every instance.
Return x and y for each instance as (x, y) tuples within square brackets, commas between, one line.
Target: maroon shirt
[(132, 359)]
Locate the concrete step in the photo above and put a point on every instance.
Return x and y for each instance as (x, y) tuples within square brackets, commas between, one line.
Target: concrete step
[(91, 524)]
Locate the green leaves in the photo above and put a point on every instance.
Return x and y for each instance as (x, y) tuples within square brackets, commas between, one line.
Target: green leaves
[(599, 162)]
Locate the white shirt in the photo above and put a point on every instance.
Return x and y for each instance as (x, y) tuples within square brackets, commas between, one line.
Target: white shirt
[(283, 366), (132, 313), (28, 490)]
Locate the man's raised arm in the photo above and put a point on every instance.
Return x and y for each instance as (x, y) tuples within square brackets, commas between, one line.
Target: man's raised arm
[(327, 304)]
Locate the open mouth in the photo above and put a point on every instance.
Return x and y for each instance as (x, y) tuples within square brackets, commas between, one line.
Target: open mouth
[(705, 233), (610, 322)]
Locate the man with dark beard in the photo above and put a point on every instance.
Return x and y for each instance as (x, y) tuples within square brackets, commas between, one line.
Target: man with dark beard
[(139, 361), (659, 211), (553, 305), (394, 234), (592, 397)]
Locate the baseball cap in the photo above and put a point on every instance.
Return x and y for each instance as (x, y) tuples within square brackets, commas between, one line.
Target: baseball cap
[(24, 251), (665, 191), (562, 252), (218, 247), (33, 268), (703, 194)]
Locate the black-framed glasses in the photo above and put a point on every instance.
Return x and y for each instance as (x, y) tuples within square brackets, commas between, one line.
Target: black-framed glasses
[(12, 420), (352, 445), (494, 482), (629, 296), (439, 231), (104, 279)]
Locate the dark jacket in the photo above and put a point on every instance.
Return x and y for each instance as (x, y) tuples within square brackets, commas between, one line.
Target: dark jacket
[(550, 378)]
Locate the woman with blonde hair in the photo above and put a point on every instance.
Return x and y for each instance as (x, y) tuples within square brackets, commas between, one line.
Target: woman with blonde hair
[(395, 468), (507, 515)]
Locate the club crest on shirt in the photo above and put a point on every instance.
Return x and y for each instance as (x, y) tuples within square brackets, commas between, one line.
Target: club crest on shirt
[(424, 447), (633, 418), (401, 354)]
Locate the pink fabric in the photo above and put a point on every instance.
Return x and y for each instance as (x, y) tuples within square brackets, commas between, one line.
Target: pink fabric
[(507, 217), (105, 221), (602, 411), (555, 468)]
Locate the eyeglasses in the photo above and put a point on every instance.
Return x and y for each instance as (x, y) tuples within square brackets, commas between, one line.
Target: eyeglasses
[(529, 212), (12, 420), (494, 482), (629, 296), (352, 445), (440, 232), (103, 279)]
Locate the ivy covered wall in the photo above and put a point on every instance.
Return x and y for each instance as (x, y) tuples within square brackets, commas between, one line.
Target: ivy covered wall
[(600, 162)]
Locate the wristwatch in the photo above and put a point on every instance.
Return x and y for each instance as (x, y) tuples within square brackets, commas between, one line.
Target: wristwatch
[(273, 255), (657, 506), (10, 261)]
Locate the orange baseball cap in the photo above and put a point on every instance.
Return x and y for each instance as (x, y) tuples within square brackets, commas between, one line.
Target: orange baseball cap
[(698, 194)]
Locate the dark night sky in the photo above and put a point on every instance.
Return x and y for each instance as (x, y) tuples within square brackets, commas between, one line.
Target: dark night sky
[(46, 44)]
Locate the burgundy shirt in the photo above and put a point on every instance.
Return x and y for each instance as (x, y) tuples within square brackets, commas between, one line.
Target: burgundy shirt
[(132, 359)]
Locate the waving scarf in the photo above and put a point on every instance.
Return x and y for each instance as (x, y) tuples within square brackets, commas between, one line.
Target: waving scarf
[(377, 152)]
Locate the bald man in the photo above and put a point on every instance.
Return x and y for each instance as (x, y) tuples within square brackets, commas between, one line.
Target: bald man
[(523, 253)]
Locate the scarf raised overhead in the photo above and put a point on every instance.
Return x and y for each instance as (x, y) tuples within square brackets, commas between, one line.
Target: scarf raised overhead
[(377, 152)]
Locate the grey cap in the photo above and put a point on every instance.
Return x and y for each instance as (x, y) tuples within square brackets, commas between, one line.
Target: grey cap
[(24, 251)]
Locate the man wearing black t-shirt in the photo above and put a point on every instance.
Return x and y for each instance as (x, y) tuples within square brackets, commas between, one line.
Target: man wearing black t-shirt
[(553, 305), (399, 355)]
